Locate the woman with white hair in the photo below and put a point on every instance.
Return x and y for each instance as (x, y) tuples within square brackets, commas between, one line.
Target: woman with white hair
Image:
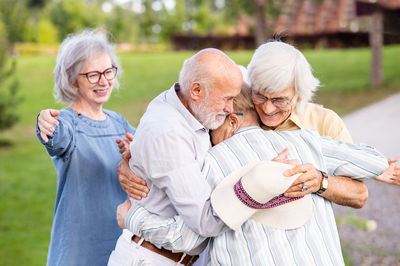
[(282, 88), (80, 140)]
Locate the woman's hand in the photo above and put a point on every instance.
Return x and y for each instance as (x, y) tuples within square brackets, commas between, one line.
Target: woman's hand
[(47, 122), (392, 174), (123, 145)]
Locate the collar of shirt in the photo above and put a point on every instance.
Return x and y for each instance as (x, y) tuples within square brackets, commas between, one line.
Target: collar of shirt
[(173, 99), (293, 120), (246, 129), (292, 123)]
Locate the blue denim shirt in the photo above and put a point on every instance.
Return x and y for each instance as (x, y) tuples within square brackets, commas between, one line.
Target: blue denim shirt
[(85, 156)]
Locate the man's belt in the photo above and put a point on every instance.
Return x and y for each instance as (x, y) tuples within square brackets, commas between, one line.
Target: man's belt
[(187, 260)]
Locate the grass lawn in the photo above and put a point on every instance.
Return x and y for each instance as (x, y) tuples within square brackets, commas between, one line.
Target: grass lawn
[(27, 176)]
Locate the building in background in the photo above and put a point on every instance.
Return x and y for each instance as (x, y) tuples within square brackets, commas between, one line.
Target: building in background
[(310, 23)]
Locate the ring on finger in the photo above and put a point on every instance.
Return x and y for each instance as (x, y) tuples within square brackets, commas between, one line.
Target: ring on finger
[(304, 188)]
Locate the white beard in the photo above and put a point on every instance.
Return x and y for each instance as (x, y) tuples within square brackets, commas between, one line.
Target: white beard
[(205, 116)]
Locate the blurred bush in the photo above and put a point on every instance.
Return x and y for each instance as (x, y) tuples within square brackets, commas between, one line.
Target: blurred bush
[(8, 83), (29, 48)]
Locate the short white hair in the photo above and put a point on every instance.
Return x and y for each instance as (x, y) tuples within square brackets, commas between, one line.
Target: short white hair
[(204, 67), (192, 71), (73, 52), (275, 65), (243, 103)]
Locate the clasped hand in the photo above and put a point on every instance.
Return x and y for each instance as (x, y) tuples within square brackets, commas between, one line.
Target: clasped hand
[(134, 186), (310, 177)]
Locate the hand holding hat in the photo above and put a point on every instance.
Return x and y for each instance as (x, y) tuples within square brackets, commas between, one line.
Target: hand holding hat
[(247, 193)]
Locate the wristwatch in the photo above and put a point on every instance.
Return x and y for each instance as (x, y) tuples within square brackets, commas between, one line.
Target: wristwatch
[(324, 183)]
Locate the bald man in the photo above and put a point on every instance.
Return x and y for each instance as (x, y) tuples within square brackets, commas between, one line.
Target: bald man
[(169, 148)]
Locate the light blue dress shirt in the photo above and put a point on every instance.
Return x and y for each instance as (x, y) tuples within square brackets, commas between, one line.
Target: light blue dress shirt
[(314, 243), (85, 156)]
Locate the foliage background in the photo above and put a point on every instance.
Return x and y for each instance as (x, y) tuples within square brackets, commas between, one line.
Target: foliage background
[(138, 22)]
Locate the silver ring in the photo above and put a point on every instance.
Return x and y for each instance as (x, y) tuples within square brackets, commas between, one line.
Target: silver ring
[(304, 188)]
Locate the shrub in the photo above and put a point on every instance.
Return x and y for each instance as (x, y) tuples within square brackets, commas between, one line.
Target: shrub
[(8, 84)]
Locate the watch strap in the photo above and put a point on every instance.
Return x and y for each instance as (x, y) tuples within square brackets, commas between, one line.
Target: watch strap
[(324, 183)]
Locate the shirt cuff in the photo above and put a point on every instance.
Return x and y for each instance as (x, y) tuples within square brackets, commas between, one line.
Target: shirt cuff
[(135, 217)]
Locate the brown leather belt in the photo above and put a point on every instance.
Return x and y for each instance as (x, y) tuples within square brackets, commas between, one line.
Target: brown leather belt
[(188, 260)]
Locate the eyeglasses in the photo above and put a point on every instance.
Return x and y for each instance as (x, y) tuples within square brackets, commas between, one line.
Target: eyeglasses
[(280, 102), (94, 76)]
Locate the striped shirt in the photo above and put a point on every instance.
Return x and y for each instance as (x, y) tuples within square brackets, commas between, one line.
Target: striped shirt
[(314, 243)]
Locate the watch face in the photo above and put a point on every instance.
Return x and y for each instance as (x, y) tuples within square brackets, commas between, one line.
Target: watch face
[(325, 183)]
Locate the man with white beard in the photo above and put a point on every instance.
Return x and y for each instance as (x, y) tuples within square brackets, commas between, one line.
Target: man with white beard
[(169, 147)]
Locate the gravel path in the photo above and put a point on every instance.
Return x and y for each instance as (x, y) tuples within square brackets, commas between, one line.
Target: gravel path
[(379, 126)]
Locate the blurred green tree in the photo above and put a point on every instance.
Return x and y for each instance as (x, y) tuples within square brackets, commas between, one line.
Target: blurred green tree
[(116, 23), (261, 10), (147, 21), (39, 4), (173, 20), (72, 15), (8, 82), (47, 33), (206, 18), (14, 16)]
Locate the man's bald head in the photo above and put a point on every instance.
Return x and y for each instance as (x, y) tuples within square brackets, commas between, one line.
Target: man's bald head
[(206, 67), (209, 81)]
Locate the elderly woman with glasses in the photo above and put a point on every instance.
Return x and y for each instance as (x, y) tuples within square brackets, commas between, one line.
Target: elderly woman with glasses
[(282, 87), (80, 140)]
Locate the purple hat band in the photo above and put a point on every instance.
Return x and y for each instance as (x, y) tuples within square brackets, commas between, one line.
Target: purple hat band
[(247, 200)]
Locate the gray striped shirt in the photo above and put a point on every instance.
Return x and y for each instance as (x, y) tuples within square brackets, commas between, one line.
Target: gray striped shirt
[(314, 243)]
